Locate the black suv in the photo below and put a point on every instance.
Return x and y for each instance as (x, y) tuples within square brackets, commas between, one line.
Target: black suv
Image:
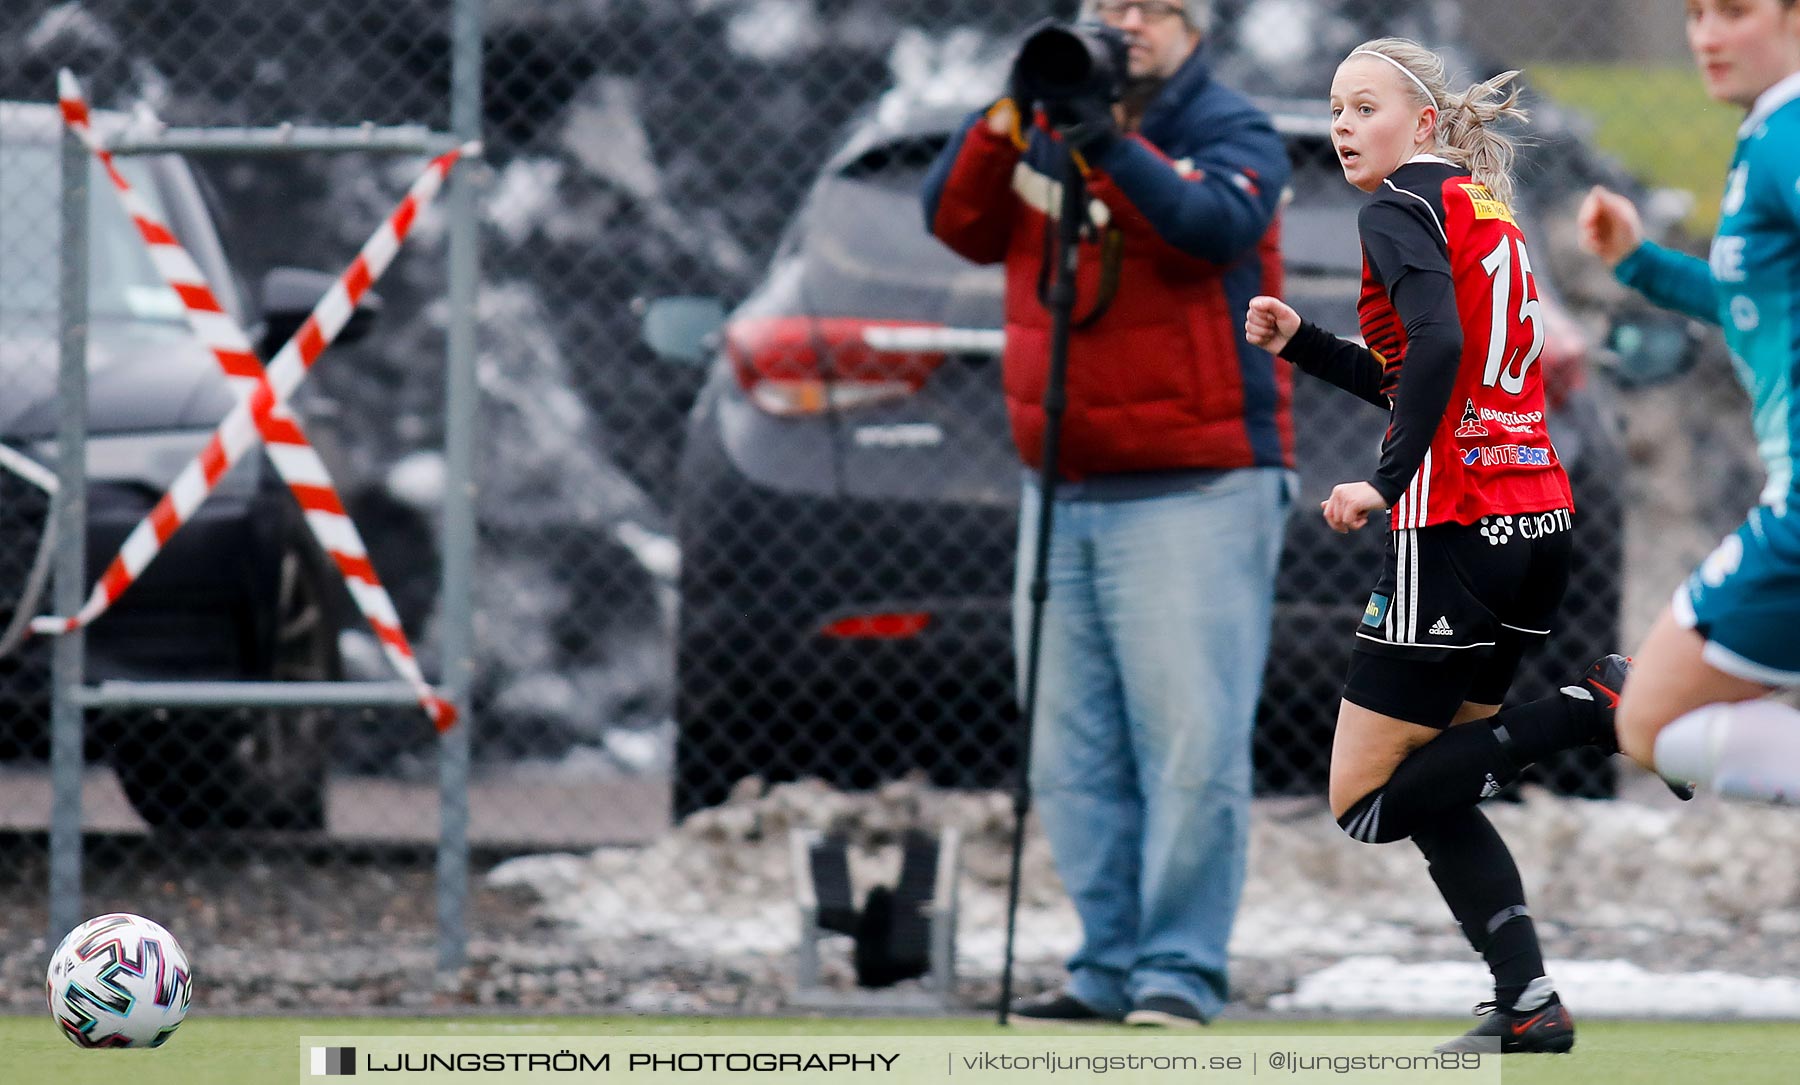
[(241, 591), (847, 497)]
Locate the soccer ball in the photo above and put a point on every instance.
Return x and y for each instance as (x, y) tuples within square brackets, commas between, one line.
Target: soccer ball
[(119, 980)]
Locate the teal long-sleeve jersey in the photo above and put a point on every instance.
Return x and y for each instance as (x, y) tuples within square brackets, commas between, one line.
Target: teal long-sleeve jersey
[(1751, 283)]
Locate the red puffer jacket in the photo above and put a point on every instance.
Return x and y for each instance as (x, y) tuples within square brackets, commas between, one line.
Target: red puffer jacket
[(1163, 379)]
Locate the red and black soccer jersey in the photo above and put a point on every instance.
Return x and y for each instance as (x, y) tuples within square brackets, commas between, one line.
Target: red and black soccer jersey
[(1450, 313)]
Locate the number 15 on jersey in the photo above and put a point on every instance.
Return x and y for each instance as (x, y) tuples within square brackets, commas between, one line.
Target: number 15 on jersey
[(1508, 357)]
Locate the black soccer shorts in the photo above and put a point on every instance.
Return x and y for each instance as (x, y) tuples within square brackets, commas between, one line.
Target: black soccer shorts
[(1455, 608)]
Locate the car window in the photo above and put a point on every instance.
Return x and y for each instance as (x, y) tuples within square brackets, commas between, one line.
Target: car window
[(864, 226), (123, 283), (900, 165)]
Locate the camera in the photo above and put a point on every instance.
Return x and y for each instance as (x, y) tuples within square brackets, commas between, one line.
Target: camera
[(1062, 62)]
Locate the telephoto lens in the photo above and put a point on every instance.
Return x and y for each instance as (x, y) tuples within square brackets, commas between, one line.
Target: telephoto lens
[(1061, 62)]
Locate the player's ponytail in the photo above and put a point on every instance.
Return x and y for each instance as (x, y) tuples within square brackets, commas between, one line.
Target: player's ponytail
[(1467, 129), (1467, 125)]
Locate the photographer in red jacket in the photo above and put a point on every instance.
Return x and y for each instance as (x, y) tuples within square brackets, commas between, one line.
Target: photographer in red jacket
[(1173, 488)]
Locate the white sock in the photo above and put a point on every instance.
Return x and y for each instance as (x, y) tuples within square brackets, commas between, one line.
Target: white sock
[(1742, 750)]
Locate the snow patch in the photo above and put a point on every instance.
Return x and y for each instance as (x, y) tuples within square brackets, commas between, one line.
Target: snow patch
[(1707, 888), (1385, 985)]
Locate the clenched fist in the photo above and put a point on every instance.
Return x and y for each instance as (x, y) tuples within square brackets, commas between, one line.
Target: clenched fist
[(1270, 323), (1350, 504)]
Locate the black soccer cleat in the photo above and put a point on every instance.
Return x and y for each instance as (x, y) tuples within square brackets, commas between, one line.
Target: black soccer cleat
[(1602, 683), (1546, 1030)]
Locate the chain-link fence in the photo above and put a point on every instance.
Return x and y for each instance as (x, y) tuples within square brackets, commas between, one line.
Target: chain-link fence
[(786, 557)]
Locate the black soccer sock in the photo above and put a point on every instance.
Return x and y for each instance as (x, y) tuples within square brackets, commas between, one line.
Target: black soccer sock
[(1514, 957), (1548, 725), (1468, 763), (1477, 877), (1453, 771)]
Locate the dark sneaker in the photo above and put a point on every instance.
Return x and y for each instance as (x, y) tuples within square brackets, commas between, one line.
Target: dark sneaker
[(1056, 1008), (1545, 1029), (1164, 1011), (1602, 683)]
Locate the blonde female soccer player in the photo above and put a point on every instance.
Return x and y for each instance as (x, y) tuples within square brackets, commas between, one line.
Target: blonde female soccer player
[(1478, 508)]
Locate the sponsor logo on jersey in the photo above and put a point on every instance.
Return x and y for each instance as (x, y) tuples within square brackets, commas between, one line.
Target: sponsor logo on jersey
[(1744, 315), (1376, 611), (1512, 418), (1726, 258), (1471, 422), (1506, 456), (1540, 525), (1486, 206), (1441, 628), (1499, 530), (1523, 422)]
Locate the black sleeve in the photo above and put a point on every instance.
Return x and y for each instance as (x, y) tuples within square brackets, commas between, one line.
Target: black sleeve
[(1400, 233), (1426, 304), (1356, 369)]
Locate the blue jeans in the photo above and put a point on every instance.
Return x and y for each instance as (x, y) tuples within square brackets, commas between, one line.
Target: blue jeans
[(1154, 637)]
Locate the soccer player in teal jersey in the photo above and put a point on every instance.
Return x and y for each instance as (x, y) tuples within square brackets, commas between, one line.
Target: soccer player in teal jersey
[(1693, 707)]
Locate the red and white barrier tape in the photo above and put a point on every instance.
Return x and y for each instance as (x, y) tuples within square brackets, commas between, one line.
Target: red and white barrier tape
[(261, 411)]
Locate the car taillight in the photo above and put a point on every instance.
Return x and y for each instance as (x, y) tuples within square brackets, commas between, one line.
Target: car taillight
[(878, 626), (799, 365), (1565, 355)]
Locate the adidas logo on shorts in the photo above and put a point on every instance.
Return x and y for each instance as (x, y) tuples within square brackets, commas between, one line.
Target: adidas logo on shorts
[(1441, 628)]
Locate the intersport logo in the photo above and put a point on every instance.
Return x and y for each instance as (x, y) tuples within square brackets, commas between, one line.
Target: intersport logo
[(1507, 456)]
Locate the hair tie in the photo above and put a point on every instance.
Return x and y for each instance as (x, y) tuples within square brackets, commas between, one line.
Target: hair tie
[(1404, 70)]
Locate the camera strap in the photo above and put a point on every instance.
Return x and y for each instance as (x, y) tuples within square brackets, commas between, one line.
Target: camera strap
[(1112, 259)]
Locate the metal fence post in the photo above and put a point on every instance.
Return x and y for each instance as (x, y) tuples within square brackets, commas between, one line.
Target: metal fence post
[(66, 712), (458, 527)]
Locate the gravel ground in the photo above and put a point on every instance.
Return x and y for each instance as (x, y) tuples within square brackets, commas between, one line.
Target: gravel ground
[(703, 920)]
